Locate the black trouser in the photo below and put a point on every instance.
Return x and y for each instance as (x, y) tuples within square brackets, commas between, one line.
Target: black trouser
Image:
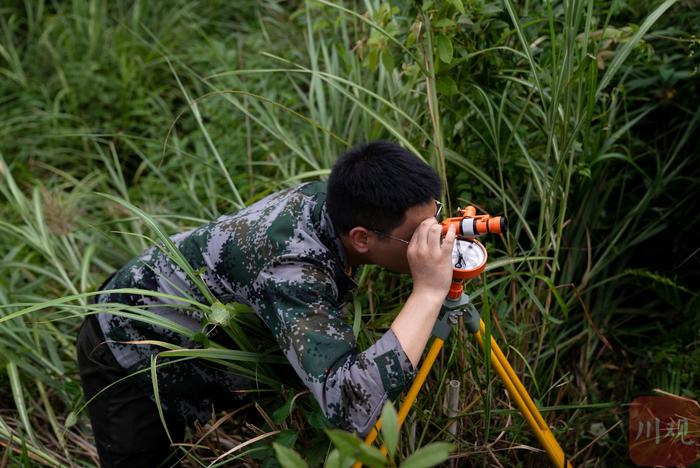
[(128, 430)]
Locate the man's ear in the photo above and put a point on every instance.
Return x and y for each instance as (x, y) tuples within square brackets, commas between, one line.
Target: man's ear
[(359, 239)]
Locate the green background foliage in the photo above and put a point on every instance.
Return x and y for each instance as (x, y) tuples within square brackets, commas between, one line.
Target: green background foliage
[(578, 120)]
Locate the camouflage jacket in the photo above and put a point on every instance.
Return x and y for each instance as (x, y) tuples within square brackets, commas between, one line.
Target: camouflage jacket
[(282, 257)]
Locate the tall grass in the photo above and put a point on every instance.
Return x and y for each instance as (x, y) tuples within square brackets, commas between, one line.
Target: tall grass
[(125, 123)]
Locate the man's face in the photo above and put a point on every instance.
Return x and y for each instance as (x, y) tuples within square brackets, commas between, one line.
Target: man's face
[(390, 252)]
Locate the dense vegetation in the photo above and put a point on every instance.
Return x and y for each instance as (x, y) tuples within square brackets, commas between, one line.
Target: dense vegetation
[(124, 122)]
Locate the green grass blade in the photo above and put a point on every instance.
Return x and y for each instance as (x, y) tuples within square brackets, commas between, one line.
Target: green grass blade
[(624, 52)]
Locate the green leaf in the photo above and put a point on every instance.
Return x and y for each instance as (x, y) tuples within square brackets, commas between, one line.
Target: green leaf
[(201, 339), (444, 23), (372, 59), (71, 419), (346, 443), (430, 455), (218, 314), (357, 322), (287, 437), (18, 395), (371, 456), (390, 428), (336, 460), (317, 421), (555, 292), (351, 446), (445, 50), (282, 413), (459, 6), (446, 85), (387, 59), (490, 9), (287, 457), (236, 308), (333, 460)]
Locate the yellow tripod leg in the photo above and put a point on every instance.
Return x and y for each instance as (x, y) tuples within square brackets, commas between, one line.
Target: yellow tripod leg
[(522, 399), (511, 381), (410, 396)]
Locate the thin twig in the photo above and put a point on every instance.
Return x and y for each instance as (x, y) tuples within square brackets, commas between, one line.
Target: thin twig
[(244, 444)]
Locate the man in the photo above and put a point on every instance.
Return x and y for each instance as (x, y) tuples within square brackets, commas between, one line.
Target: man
[(290, 257)]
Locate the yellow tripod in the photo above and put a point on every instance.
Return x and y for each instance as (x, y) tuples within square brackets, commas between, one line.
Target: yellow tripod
[(515, 388)]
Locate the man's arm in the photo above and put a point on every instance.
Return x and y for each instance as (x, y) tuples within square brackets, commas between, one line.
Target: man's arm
[(299, 305), (431, 268), (351, 387)]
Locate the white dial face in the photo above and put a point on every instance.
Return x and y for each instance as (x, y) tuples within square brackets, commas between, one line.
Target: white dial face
[(467, 255)]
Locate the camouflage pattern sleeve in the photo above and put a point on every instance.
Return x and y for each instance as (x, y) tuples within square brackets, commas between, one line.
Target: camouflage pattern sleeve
[(281, 256), (302, 311)]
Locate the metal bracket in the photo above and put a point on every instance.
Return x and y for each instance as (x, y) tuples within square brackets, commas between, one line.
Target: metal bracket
[(451, 310)]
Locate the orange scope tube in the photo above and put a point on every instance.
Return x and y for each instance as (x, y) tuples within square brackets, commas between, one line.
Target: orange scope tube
[(468, 226), (493, 225)]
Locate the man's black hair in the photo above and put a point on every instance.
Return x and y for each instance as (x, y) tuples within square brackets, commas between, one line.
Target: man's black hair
[(373, 184)]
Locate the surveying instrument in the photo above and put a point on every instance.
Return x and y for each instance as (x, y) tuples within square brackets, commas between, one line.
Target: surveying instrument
[(469, 259)]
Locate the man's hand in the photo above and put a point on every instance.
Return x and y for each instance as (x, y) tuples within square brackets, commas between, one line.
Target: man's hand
[(430, 259), (431, 268)]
